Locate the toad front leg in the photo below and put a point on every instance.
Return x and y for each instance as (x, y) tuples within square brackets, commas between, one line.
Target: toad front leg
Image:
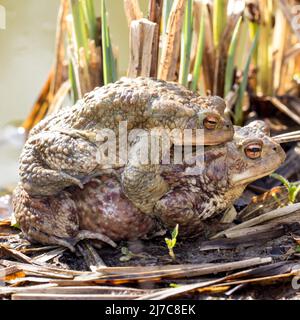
[(179, 206), (54, 160), (141, 179), (144, 186)]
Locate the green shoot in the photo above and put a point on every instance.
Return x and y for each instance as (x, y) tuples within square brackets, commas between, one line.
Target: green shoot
[(166, 12), (73, 82), (230, 59), (127, 255), (171, 243), (282, 179), (239, 104), (109, 68), (293, 188), (90, 18), (219, 20), (80, 26), (14, 222), (244, 40), (200, 50), (265, 51), (186, 43), (253, 27)]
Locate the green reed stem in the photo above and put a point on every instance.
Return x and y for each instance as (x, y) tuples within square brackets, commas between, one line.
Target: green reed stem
[(186, 43), (219, 20), (238, 117), (166, 13), (265, 62), (79, 26), (109, 65), (73, 82), (90, 18), (230, 60), (200, 51)]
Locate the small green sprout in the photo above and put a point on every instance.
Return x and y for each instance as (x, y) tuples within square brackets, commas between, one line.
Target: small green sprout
[(293, 188), (171, 243), (14, 222), (126, 254)]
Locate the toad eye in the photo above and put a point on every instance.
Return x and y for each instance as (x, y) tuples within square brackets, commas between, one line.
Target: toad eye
[(210, 122), (253, 151)]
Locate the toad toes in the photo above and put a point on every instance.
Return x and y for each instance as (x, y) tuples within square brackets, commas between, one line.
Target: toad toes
[(63, 149)]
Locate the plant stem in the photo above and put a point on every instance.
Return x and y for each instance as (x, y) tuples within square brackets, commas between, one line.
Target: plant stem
[(230, 60), (79, 26), (166, 12), (265, 76), (244, 42), (239, 105), (172, 254), (219, 20), (73, 82), (200, 50), (186, 41), (90, 18), (109, 68), (253, 26)]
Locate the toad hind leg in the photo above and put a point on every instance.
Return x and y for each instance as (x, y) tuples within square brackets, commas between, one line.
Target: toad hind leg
[(51, 220), (52, 161)]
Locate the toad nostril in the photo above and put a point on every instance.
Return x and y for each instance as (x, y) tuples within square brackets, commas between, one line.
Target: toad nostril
[(274, 148)]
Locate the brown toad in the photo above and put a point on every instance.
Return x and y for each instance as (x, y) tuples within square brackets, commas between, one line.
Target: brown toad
[(63, 149), (224, 175), (198, 191)]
